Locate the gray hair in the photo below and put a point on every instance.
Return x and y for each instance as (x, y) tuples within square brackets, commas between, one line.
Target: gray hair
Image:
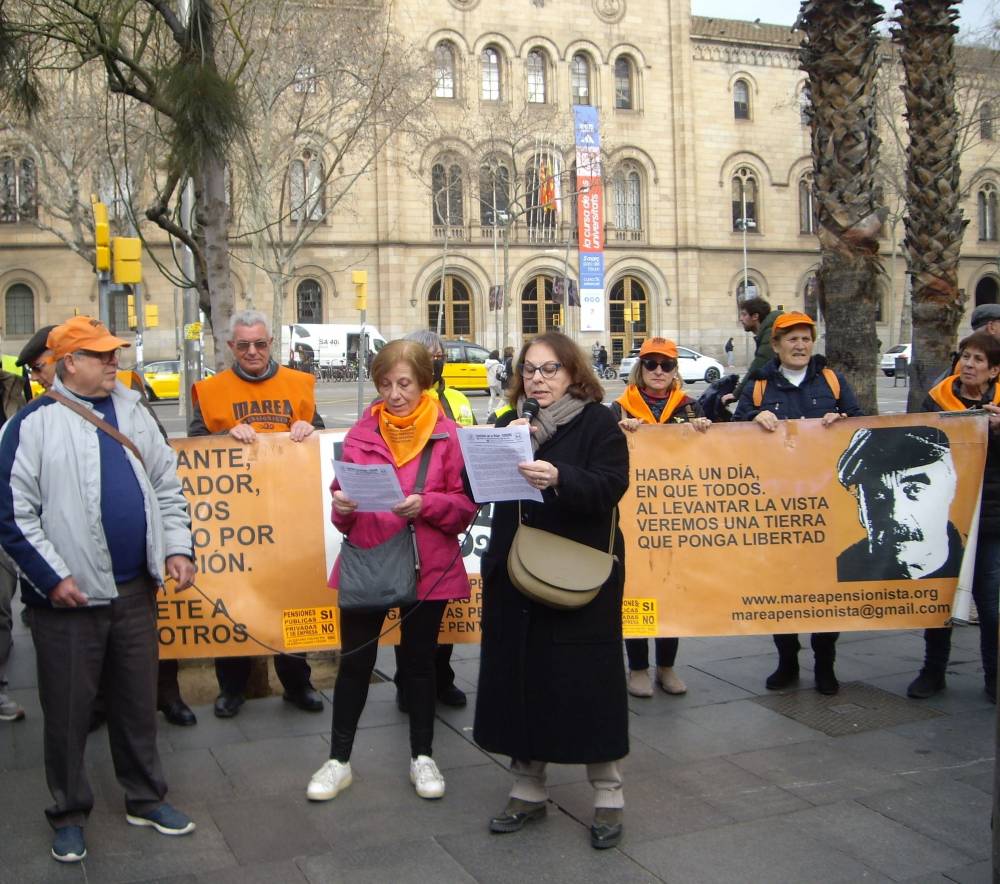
[(431, 340), (248, 318)]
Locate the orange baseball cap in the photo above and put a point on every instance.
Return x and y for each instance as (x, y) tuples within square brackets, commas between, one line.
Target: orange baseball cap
[(82, 333), (787, 320), (660, 346)]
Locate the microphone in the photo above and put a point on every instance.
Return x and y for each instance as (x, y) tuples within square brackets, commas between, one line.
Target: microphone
[(530, 408)]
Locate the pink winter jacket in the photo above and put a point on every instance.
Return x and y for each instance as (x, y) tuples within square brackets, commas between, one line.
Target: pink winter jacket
[(445, 512)]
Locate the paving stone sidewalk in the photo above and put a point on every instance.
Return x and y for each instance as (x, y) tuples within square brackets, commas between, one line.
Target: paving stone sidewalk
[(728, 783)]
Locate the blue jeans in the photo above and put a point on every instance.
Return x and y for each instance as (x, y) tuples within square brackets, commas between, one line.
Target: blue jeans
[(985, 593)]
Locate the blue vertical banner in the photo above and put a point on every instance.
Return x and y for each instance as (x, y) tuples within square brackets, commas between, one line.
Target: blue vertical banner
[(590, 217)]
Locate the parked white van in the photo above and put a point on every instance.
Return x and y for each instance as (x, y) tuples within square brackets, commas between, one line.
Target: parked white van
[(328, 345)]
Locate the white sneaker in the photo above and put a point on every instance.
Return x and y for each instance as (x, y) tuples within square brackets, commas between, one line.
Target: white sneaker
[(10, 710), (331, 779), (640, 683), (426, 777)]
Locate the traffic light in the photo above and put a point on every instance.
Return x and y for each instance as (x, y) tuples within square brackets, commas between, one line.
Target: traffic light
[(559, 316), (102, 235), (133, 322), (360, 280), (152, 316), (126, 263)]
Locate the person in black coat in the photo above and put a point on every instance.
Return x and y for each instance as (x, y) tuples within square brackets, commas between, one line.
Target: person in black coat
[(798, 385), (552, 682), (974, 385)]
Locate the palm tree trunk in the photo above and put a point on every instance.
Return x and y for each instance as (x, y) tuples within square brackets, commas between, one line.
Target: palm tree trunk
[(840, 55), (926, 36)]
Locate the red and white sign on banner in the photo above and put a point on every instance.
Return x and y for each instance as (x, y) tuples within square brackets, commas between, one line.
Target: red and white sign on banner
[(590, 217)]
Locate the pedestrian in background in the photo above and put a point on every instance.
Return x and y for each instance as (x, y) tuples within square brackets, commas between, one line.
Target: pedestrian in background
[(729, 353), (493, 366)]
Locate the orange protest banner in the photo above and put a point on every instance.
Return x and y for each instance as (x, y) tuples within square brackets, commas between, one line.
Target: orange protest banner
[(856, 526)]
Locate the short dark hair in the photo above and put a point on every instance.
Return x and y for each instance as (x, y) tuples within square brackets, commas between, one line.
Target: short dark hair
[(414, 354), (983, 341), (755, 307), (583, 382)]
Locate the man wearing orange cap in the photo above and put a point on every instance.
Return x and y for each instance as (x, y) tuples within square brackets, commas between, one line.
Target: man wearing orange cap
[(91, 512)]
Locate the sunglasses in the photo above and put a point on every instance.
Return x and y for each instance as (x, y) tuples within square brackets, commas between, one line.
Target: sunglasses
[(105, 358), (243, 346), (651, 364)]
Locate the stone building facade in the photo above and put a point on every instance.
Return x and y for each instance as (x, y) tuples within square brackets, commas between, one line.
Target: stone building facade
[(706, 188)]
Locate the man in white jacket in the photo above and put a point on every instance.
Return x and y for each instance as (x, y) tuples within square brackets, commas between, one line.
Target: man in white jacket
[(91, 510)]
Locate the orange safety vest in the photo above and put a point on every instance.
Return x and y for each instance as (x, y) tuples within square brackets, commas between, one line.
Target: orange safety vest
[(944, 395), (270, 406), (632, 403)]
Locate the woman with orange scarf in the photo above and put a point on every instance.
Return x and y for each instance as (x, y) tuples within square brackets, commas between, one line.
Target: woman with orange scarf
[(396, 431), (654, 395)]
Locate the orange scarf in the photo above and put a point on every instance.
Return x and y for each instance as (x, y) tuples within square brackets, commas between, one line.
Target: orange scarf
[(944, 395), (632, 402), (406, 436)]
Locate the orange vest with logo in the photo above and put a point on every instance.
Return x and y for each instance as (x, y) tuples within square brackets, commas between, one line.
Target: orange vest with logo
[(944, 395), (270, 406)]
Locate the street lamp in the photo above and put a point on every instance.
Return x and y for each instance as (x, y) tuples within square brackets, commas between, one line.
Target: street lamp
[(744, 224)]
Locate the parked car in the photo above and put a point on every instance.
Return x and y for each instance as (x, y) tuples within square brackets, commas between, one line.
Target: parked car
[(163, 379), (694, 366), (465, 368), (890, 356)]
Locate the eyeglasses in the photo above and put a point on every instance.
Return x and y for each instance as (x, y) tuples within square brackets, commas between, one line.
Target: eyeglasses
[(105, 358), (651, 364), (243, 346), (547, 369)]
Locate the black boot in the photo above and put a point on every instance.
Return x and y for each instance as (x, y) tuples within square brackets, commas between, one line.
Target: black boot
[(826, 681), (785, 675), (927, 683)]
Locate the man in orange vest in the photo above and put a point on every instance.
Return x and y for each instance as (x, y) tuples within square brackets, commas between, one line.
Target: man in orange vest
[(256, 396)]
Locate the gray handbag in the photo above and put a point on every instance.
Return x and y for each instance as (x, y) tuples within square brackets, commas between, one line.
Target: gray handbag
[(383, 576)]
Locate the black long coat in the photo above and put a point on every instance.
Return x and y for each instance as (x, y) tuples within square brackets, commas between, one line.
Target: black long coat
[(552, 682)]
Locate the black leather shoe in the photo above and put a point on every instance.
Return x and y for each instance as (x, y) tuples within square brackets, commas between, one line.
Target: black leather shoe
[(307, 699), (784, 676), (826, 681), (926, 684), (227, 705), (452, 696), (516, 814), (178, 712), (606, 830)]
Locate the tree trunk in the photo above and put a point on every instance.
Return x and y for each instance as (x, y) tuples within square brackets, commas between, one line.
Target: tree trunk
[(215, 282), (934, 225), (840, 55)]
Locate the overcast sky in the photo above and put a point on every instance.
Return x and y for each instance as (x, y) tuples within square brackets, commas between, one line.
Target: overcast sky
[(975, 13)]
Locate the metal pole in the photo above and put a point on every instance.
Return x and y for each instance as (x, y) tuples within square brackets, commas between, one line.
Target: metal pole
[(496, 274), (362, 364), (192, 331), (743, 224), (506, 281)]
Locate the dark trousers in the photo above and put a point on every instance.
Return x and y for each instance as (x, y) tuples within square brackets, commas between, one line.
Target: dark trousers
[(359, 630), (233, 673), (824, 645), (112, 648), (444, 675), (985, 588), (8, 586), (637, 651)]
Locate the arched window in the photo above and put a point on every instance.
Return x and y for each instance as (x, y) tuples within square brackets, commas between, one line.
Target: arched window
[(306, 187), (18, 189), (446, 199), (491, 74), (539, 312), (444, 70), (751, 290), (741, 100), (627, 186), (537, 66), (987, 198), (309, 302), (624, 86), (626, 332), (986, 121), (807, 205), (542, 196), (579, 78), (744, 199), (455, 309), (19, 311), (494, 193)]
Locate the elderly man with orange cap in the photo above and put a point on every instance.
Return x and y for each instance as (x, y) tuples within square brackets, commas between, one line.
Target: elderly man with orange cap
[(794, 385), (92, 512)]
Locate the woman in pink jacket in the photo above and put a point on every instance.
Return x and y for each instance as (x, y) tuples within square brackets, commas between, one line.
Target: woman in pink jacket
[(395, 431)]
